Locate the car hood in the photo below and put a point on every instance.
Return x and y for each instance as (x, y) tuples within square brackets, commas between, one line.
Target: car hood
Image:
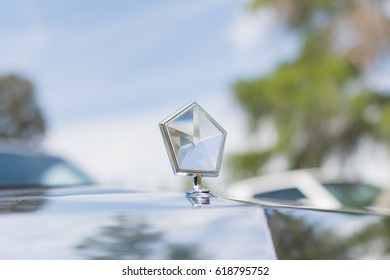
[(104, 223), (101, 223)]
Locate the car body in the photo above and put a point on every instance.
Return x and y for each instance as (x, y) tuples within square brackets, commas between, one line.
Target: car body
[(106, 223)]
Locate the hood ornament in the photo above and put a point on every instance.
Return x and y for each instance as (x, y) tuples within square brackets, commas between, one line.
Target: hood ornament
[(194, 142)]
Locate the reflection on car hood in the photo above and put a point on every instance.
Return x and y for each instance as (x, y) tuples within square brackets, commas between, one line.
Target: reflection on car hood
[(93, 223), (75, 224)]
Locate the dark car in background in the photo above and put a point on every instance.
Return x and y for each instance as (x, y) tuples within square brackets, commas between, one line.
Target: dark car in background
[(26, 168)]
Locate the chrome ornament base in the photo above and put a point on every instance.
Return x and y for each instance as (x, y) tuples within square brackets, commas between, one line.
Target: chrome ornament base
[(198, 195), (199, 199)]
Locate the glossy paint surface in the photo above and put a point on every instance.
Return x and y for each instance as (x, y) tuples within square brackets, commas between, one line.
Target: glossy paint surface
[(126, 225), (92, 223), (316, 234)]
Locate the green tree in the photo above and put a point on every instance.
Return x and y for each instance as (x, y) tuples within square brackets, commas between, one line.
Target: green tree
[(20, 116), (319, 104)]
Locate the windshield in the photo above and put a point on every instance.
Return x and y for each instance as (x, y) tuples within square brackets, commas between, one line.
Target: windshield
[(22, 170), (354, 194)]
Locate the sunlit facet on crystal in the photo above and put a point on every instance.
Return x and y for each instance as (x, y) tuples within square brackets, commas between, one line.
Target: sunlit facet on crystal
[(196, 140)]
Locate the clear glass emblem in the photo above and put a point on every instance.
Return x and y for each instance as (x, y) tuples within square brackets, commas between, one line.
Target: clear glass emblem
[(194, 142)]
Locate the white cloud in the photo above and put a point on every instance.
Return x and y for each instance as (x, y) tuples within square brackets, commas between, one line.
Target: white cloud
[(113, 149), (252, 29), (23, 40), (262, 40), (135, 34), (21, 50)]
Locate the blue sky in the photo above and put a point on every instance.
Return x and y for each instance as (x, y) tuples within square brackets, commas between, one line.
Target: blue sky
[(107, 72), (93, 57)]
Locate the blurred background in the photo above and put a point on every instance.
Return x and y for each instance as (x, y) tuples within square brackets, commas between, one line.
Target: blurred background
[(296, 83)]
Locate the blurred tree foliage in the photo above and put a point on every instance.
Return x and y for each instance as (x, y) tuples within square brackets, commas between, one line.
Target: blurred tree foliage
[(130, 239), (20, 116), (319, 104), (295, 238)]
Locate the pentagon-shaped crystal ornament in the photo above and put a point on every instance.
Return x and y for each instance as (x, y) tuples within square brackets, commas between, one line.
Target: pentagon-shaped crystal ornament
[(195, 143)]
